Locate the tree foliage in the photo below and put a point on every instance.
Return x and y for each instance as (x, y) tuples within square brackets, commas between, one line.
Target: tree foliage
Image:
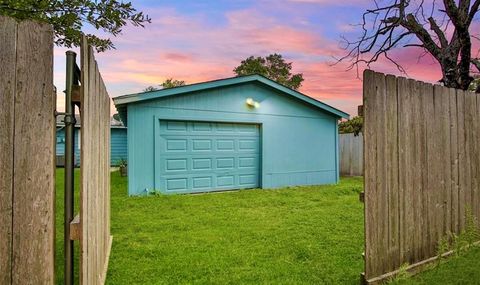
[(475, 85), (353, 125), (272, 66), (168, 83), (441, 29), (69, 17)]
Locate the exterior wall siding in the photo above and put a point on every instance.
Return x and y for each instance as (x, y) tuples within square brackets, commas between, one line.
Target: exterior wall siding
[(299, 143), (118, 145)]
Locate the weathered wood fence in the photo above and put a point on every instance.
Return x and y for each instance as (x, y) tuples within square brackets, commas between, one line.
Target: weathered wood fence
[(351, 154), (27, 153), (422, 169), (95, 240), (27, 159)]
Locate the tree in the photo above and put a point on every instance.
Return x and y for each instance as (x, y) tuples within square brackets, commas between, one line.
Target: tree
[(150, 88), (168, 83), (273, 67), (68, 18), (353, 125), (441, 32)]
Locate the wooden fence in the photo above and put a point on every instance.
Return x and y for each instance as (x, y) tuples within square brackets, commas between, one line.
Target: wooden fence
[(95, 240), (27, 153), (351, 154), (27, 159), (422, 169)]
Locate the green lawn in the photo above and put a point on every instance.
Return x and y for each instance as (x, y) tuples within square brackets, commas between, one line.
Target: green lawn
[(297, 235)]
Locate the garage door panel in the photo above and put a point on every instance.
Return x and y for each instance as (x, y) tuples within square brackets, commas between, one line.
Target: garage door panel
[(176, 164), (201, 145), (225, 145), (201, 164), (176, 184), (207, 156), (176, 145), (176, 126), (248, 179), (225, 163), (247, 162), (202, 182), (248, 145)]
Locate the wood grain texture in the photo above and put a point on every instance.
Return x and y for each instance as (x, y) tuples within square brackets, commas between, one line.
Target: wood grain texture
[(391, 120), (95, 241), (369, 160), (8, 35), (422, 169), (34, 165)]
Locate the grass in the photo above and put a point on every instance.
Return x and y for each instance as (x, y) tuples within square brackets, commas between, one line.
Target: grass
[(457, 269), (297, 235)]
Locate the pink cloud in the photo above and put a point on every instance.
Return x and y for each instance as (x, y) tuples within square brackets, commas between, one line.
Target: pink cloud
[(178, 57), (192, 49)]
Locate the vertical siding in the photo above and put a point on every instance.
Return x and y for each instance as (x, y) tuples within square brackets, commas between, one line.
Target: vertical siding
[(60, 144), (118, 145)]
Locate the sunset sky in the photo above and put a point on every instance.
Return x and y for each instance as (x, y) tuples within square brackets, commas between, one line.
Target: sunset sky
[(203, 40)]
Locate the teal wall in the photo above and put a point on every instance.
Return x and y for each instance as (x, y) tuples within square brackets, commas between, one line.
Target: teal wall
[(118, 144), (299, 141), (61, 144)]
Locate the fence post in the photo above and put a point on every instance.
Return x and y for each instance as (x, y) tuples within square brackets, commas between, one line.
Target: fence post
[(69, 167)]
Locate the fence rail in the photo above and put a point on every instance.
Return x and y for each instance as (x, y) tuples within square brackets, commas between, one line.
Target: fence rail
[(422, 169), (27, 153), (351, 154)]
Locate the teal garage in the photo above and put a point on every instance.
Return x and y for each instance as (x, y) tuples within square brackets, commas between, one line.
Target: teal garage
[(235, 133)]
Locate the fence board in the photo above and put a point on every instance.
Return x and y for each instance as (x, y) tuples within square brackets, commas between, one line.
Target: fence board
[(422, 169), (392, 173), (462, 152), (96, 241), (8, 35), (27, 132), (34, 168), (370, 150)]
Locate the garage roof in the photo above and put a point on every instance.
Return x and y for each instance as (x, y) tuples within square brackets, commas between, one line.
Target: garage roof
[(137, 97)]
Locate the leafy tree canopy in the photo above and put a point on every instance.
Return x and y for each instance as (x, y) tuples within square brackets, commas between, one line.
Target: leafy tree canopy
[(353, 125), (168, 83), (69, 17), (273, 67)]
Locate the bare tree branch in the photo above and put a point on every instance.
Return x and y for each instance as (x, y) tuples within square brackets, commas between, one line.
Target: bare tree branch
[(442, 32)]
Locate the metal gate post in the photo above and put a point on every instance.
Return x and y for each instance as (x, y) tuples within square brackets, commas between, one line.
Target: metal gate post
[(69, 120)]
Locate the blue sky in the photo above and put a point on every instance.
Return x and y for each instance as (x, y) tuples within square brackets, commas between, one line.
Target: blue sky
[(203, 40)]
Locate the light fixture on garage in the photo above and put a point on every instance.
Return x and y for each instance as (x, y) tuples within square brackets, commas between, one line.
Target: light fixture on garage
[(252, 103)]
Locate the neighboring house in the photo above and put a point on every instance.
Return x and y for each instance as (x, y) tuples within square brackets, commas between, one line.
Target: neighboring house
[(234, 133), (118, 141)]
